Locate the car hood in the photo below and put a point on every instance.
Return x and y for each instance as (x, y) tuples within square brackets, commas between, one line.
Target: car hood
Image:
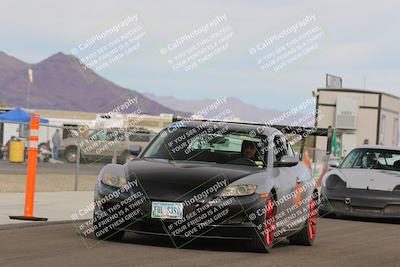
[(180, 180), (371, 179)]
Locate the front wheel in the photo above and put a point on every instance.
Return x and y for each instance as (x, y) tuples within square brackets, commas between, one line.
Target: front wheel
[(307, 234), (71, 154), (264, 233)]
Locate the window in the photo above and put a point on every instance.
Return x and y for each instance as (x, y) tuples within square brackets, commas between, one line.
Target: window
[(396, 136), (280, 148), (379, 159), (105, 135), (290, 149), (139, 137), (349, 161), (229, 143), (119, 136), (66, 133), (382, 130), (217, 145), (97, 136)]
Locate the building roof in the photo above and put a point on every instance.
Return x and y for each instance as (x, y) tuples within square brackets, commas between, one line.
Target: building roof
[(65, 114), (360, 91)]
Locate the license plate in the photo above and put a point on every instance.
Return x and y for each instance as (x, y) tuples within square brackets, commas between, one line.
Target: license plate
[(166, 210)]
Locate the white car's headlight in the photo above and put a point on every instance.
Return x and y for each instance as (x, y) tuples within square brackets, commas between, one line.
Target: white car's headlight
[(239, 190), (114, 180)]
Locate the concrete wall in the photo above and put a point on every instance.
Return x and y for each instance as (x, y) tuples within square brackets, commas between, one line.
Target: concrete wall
[(367, 115), (368, 99), (389, 107)]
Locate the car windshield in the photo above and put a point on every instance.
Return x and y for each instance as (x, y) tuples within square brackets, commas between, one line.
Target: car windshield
[(373, 159), (208, 145)]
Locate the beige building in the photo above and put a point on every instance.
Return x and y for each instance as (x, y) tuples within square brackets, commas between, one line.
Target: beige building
[(359, 117), (82, 120)]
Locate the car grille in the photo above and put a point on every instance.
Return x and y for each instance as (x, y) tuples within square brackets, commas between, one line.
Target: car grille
[(337, 204), (367, 210)]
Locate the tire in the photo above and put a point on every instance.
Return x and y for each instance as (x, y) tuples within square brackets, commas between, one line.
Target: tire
[(263, 242), (326, 214), (71, 154), (323, 208), (306, 235)]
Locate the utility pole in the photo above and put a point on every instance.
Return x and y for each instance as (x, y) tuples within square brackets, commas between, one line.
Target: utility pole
[(28, 97)]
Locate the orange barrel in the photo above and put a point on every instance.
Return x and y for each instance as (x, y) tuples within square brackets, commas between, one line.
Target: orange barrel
[(16, 151)]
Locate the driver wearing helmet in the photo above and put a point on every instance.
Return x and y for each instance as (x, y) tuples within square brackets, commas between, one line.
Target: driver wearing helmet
[(369, 161), (249, 150)]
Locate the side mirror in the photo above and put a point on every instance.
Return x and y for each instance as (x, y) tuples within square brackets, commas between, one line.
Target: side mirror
[(287, 161), (334, 163), (134, 149)]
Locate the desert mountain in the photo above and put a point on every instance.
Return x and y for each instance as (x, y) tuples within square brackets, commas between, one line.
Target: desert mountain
[(60, 82), (238, 109)]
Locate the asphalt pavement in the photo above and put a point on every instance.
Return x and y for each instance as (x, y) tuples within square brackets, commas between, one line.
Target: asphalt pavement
[(338, 243)]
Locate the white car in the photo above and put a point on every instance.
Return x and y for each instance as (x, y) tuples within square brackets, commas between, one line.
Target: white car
[(365, 184)]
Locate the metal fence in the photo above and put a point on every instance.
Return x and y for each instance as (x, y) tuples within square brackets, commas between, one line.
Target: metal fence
[(82, 153)]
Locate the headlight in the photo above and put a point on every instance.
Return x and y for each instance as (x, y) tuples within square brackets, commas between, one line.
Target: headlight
[(114, 180), (334, 181), (239, 190)]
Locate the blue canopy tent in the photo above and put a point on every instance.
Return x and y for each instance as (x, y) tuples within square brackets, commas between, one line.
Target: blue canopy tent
[(18, 115)]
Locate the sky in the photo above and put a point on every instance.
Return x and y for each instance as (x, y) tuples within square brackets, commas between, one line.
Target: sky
[(359, 43)]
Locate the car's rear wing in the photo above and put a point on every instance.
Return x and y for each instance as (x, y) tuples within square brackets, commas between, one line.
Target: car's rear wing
[(286, 129), (308, 131)]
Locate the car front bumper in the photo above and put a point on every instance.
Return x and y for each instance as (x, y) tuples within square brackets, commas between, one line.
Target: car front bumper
[(361, 202), (235, 225)]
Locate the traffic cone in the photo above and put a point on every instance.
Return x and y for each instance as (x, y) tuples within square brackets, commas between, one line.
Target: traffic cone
[(307, 160), (31, 171)]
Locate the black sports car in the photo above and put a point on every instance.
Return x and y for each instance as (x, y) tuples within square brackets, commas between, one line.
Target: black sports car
[(210, 179)]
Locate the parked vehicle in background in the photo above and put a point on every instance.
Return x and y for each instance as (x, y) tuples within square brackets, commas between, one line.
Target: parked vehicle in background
[(103, 144), (365, 184)]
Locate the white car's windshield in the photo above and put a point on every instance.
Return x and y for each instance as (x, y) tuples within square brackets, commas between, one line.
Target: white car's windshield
[(209, 145), (373, 159)]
